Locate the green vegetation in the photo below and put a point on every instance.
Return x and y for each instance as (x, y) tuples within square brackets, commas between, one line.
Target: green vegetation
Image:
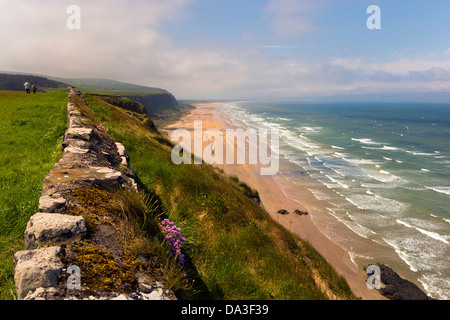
[(124, 103), (106, 86), (16, 81), (233, 249), (134, 218), (31, 131), (100, 268)]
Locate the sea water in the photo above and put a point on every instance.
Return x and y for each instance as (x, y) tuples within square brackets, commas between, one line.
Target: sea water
[(381, 169)]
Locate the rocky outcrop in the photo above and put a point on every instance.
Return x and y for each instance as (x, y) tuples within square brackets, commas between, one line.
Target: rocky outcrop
[(91, 162), (396, 288), (157, 103)]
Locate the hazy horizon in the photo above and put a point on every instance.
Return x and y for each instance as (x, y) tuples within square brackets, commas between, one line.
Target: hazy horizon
[(200, 49)]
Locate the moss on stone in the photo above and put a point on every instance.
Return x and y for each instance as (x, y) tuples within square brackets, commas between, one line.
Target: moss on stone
[(100, 271), (95, 200)]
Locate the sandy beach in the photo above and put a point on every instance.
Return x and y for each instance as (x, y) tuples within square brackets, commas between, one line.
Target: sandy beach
[(273, 199)]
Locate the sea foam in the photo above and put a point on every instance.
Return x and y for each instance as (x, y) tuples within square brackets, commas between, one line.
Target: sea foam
[(444, 190), (431, 234), (366, 141)]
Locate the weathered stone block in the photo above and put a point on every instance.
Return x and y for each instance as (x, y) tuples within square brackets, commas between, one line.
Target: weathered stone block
[(73, 149), (51, 204), (35, 269), (53, 228), (79, 133), (121, 149), (74, 121)]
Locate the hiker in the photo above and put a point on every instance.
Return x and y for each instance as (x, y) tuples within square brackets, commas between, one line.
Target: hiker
[(33, 87), (27, 86)]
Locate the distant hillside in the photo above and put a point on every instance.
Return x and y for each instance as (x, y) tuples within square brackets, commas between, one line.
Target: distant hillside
[(157, 102), (98, 85), (15, 82)]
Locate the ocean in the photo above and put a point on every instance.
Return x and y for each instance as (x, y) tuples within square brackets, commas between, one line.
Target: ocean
[(377, 170)]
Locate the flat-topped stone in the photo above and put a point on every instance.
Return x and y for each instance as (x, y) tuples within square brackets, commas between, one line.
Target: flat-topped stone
[(75, 143), (108, 172), (79, 133), (52, 203), (77, 150), (104, 177), (53, 228), (75, 121)]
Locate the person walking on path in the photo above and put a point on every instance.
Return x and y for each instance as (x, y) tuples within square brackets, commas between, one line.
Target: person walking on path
[(27, 86), (34, 88)]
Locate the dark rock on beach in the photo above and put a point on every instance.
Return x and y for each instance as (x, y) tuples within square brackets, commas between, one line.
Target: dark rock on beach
[(397, 288), (301, 213)]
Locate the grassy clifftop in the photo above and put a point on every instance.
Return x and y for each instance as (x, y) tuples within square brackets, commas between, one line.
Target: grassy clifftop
[(234, 250), (31, 131), (16, 81)]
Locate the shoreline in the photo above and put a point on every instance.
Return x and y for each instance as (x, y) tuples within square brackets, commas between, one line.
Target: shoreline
[(274, 198)]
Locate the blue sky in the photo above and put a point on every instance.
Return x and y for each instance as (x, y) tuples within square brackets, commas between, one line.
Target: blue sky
[(411, 28), (225, 49)]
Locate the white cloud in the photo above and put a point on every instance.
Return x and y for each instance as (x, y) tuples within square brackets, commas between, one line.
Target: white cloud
[(125, 40), (115, 37), (400, 66)]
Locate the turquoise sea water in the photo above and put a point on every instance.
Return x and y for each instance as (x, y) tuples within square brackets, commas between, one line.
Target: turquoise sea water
[(381, 169)]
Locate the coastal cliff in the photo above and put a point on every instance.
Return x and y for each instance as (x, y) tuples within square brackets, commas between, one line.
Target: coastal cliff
[(157, 104), (101, 229)]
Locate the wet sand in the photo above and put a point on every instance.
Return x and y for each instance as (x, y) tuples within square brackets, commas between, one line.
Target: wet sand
[(273, 199)]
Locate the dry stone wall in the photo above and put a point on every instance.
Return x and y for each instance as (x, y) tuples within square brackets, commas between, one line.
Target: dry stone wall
[(89, 159)]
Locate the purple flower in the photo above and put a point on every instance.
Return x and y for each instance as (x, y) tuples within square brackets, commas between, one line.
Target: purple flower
[(101, 128), (173, 237)]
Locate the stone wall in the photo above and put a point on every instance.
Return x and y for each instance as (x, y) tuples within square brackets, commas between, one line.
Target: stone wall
[(90, 159)]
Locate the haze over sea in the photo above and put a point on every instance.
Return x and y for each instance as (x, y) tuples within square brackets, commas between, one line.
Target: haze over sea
[(381, 169)]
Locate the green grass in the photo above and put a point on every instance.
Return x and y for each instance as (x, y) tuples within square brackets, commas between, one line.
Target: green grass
[(31, 132), (234, 250), (109, 87), (121, 92)]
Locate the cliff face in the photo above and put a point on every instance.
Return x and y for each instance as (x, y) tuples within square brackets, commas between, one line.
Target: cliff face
[(156, 104)]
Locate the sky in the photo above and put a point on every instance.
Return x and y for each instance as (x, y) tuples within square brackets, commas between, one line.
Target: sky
[(235, 49)]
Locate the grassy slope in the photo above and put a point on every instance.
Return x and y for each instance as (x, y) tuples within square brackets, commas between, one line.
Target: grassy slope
[(107, 86), (31, 132), (235, 251), (16, 81)]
